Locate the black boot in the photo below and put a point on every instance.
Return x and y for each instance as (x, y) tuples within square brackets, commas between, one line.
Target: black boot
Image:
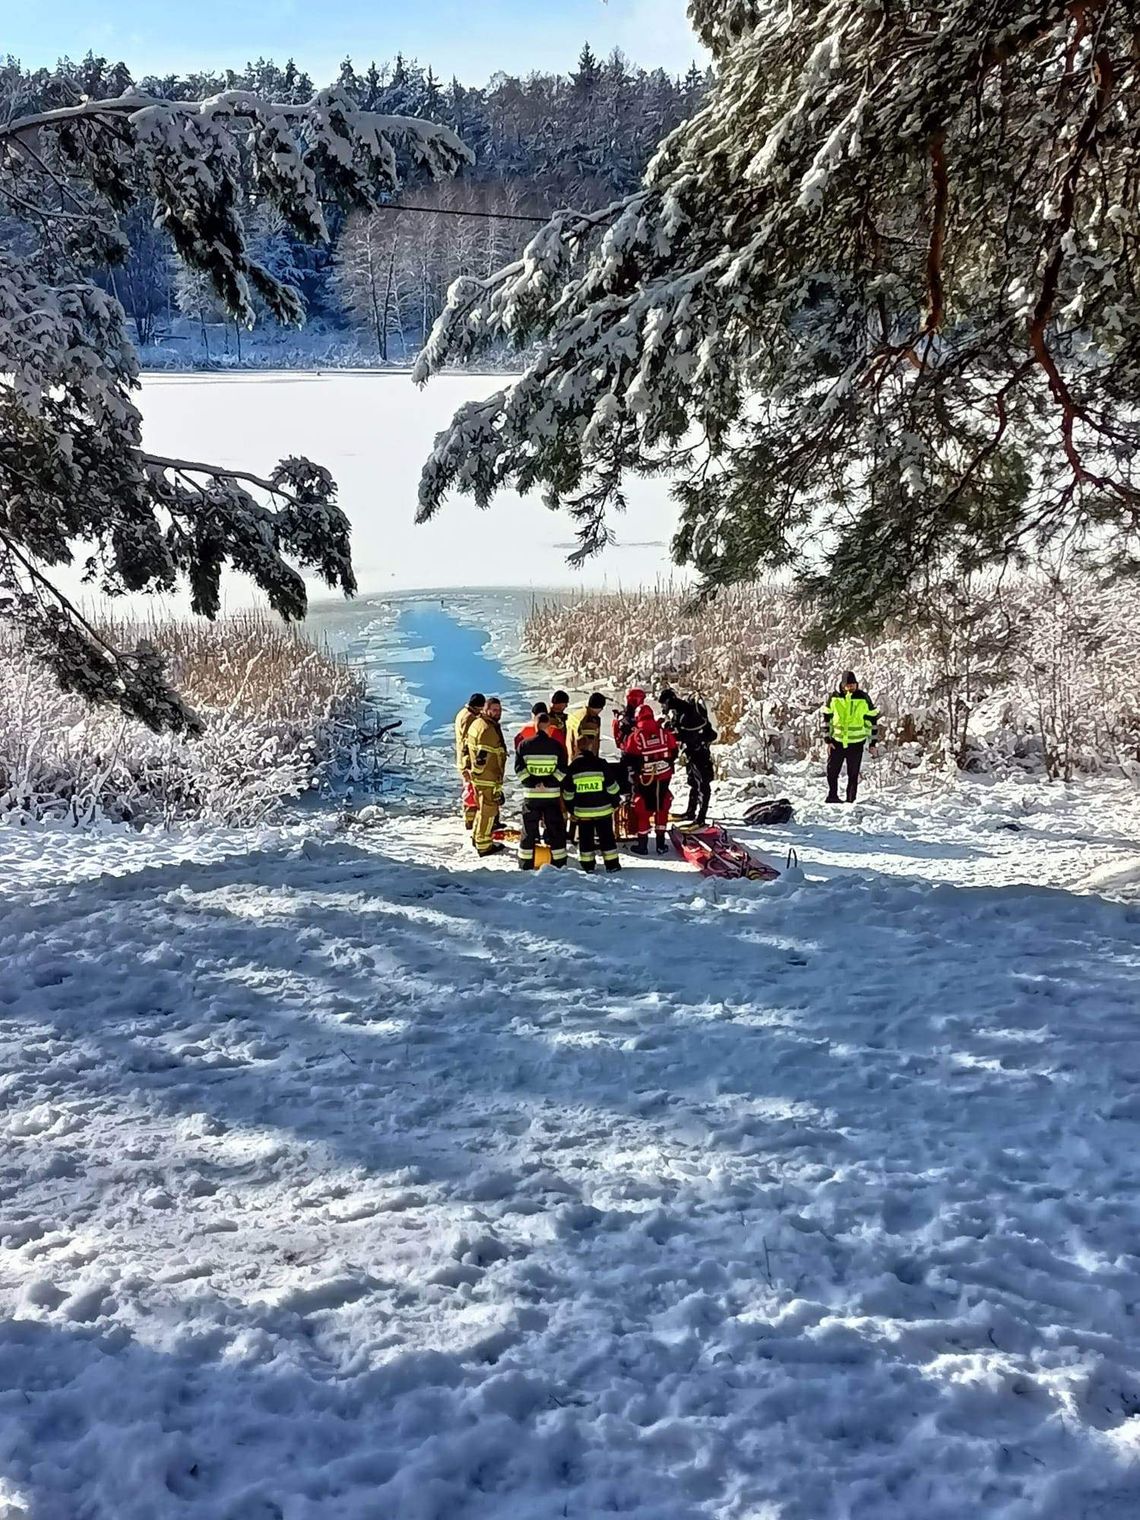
[(612, 866), (640, 845), (662, 842), (831, 799)]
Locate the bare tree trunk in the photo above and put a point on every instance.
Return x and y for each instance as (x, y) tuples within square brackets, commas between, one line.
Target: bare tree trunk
[(389, 288)]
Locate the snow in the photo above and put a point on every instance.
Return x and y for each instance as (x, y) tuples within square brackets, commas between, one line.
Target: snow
[(343, 1176), (374, 431)]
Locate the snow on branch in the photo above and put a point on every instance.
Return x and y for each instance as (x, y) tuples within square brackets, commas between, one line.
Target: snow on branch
[(883, 274), (72, 468)]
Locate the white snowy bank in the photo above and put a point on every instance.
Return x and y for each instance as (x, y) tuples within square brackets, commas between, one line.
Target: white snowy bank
[(340, 1179)]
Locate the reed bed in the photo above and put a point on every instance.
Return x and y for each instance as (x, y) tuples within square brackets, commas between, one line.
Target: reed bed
[(1014, 675), (281, 712)]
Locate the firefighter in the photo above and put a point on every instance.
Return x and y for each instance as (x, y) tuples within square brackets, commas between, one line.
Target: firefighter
[(541, 764), (688, 717), (463, 721), (592, 791), (625, 718), (529, 730), (651, 752), (485, 754), (559, 714), (586, 720), (850, 720)]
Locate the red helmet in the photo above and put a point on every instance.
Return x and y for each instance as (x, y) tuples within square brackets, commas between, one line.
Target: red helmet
[(646, 717), (635, 697)]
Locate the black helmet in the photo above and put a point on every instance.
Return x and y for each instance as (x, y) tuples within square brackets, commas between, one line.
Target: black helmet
[(476, 699), (668, 697)]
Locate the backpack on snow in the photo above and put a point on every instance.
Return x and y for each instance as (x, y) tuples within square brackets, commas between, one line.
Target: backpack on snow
[(770, 812)]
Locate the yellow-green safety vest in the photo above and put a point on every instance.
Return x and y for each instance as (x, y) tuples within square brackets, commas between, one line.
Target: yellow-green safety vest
[(852, 717)]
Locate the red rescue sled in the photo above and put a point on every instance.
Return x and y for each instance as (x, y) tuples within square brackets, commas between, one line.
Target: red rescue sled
[(715, 853)]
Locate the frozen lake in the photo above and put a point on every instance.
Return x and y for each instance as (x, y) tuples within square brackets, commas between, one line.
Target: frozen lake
[(374, 431)]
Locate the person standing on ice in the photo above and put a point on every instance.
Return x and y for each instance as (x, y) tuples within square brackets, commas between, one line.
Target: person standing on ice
[(541, 764), (688, 717), (592, 791), (850, 720), (586, 721), (485, 755), (463, 720), (651, 753)]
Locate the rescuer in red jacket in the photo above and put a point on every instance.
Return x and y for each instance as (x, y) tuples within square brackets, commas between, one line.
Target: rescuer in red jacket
[(651, 752)]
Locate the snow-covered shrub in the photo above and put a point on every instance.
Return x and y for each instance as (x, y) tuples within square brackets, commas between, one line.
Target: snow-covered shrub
[(278, 712), (673, 657), (1028, 675)]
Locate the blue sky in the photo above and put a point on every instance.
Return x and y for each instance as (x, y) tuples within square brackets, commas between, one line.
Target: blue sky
[(471, 38)]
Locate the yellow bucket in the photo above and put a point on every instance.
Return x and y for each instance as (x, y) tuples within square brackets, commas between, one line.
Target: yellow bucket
[(541, 856)]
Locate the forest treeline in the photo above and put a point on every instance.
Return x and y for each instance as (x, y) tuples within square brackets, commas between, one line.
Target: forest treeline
[(540, 142)]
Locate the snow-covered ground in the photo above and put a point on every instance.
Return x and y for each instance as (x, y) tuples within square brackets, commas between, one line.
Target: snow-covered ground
[(342, 1179)]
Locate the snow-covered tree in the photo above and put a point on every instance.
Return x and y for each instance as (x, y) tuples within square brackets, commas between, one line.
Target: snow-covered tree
[(370, 262), (873, 305), (73, 473)]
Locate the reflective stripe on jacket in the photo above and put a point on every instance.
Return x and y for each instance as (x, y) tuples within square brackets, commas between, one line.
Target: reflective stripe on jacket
[(654, 750), (463, 721), (591, 788), (485, 751), (584, 721), (850, 717), (541, 762)]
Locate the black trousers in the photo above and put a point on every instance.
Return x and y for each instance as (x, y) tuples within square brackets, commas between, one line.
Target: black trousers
[(699, 766), (544, 819), (597, 832), (839, 755)]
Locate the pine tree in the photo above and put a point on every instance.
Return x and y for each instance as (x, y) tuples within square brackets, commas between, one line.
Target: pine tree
[(872, 306), (72, 466), (587, 76)]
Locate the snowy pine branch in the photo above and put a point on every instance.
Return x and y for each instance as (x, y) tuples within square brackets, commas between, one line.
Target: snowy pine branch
[(72, 468), (884, 274)]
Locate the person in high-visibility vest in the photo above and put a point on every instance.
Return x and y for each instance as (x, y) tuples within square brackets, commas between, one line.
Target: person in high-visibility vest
[(592, 791), (540, 763), (850, 721)]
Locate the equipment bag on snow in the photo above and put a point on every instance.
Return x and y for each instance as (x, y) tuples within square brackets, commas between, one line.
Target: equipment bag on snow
[(769, 812), (715, 853)]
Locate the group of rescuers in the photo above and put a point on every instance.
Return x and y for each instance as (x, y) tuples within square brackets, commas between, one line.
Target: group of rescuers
[(567, 785)]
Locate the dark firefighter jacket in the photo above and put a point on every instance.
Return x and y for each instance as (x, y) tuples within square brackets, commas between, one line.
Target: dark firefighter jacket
[(592, 788), (541, 763), (689, 720)]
